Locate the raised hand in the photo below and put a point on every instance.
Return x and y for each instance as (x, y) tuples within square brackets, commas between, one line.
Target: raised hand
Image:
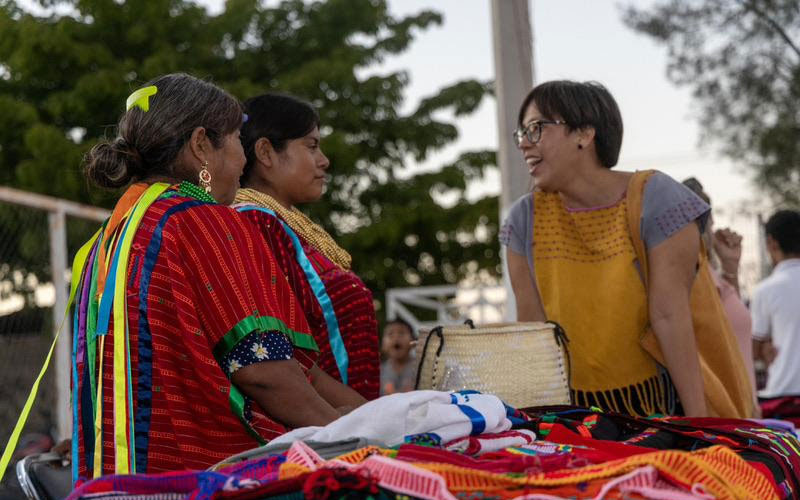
[(728, 247)]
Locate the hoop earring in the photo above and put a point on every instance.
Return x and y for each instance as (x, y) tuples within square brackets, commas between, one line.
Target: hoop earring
[(205, 178)]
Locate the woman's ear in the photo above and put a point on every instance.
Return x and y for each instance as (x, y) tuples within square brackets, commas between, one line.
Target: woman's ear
[(586, 136), (200, 146), (265, 153)]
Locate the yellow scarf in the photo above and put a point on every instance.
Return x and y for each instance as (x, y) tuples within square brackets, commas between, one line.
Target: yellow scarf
[(310, 231), (726, 384), (584, 264)]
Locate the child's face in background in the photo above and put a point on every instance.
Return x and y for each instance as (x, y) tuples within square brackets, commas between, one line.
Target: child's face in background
[(396, 341)]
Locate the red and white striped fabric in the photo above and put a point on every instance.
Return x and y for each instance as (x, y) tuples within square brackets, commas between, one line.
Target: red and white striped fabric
[(484, 443)]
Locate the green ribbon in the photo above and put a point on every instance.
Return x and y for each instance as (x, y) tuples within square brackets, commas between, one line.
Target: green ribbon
[(237, 407)]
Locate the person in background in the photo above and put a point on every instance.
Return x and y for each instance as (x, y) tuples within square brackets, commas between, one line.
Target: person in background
[(189, 345), (775, 307), (286, 168), (399, 370), (724, 250)]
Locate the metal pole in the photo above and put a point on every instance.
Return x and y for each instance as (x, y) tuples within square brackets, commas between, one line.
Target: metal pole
[(513, 67), (58, 263)]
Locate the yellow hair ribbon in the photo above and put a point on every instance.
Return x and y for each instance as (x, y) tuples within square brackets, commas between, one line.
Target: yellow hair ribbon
[(141, 98)]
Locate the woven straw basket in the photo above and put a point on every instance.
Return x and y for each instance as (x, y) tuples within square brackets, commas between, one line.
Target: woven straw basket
[(525, 364)]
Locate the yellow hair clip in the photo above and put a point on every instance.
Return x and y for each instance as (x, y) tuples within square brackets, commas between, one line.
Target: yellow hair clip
[(141, 98)]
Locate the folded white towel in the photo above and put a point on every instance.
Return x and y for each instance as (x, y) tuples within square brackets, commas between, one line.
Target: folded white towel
[(391, 418)]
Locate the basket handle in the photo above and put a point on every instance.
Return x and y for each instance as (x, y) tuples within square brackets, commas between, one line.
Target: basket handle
[(562, 340), (438, 332), (560, 335)]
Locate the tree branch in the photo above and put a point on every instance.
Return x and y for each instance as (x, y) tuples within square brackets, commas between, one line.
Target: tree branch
[(749, 5)]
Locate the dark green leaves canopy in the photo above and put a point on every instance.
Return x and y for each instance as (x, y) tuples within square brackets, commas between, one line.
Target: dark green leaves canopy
[(64, 79)]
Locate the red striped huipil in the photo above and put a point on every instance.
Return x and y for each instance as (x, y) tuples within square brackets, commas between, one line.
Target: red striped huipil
[(198, 278)]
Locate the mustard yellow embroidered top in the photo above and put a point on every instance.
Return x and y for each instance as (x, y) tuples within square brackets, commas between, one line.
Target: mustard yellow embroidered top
[(585, 269)]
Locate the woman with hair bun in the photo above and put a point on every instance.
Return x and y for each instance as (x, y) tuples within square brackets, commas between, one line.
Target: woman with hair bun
[(285, 168), (189, 345)]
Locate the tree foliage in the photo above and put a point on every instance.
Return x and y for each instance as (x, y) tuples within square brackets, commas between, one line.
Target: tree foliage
[(741, 58), (64, 80)]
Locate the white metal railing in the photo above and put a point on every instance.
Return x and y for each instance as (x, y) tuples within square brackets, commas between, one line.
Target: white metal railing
[(452, 304), (57, 212)]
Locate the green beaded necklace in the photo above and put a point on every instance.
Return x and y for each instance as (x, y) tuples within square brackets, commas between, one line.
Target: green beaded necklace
[(188, 189)]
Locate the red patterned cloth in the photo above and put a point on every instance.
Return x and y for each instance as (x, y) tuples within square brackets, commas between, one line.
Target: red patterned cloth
[(486, 443), (199, 281), (351, 299), (782, 408)]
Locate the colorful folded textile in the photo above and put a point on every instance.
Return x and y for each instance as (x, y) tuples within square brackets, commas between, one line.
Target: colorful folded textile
[(773, 452), (720, 471), (644, 481), (484, 443), (587, 455), (497, 462)]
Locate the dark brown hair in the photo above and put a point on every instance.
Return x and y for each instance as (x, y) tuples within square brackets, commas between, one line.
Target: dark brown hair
[(581, 104), (278, 117), (148, 142), (784, 227), (696, 188)]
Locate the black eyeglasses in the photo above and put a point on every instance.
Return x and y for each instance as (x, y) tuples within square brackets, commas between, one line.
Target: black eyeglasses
[(533, 131)]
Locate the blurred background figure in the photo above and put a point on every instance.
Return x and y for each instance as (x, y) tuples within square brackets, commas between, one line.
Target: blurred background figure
[(775, 307), (399, 369), (724, 248)]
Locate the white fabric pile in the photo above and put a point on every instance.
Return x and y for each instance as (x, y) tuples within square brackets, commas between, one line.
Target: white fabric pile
[(391, 418)]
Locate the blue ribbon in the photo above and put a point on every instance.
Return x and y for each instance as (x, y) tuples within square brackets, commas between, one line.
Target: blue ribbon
[(474, 416), (318, 287), (104, 313)]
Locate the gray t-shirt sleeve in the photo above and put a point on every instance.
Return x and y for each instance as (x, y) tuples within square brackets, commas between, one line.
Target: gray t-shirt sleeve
[(667, 207), (517, 231)]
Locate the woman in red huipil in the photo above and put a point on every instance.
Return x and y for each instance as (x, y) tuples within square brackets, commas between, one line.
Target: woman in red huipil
[(285, 168)]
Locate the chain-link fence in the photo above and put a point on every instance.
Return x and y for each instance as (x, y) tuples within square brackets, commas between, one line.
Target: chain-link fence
[(39, 236)]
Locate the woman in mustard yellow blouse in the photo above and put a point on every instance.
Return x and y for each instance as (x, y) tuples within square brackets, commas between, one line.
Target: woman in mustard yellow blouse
[(572, 257)]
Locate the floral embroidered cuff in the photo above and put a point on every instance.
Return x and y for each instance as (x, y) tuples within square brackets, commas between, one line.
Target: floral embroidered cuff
[(257, 347)]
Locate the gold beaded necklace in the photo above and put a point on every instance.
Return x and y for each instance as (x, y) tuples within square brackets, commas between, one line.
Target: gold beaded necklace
[(312, 232)]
